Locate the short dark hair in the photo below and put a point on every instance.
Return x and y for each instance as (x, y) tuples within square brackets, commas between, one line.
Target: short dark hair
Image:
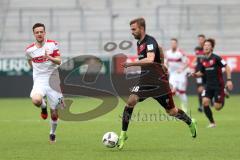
[(198, 48), (210, 40), (201, 35), (36, 25), (174, 39), (140, 21)]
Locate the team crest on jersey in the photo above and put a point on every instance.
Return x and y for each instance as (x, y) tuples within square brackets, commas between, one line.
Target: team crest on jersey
[(211, 62), (141, 48)]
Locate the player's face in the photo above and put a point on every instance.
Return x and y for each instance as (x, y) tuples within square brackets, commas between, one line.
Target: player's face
[(201, 41), (136, 31), (39, 34), (174, 45), (207, 48)]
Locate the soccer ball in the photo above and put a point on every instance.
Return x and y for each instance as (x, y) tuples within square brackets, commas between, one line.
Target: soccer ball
[(110, 139)]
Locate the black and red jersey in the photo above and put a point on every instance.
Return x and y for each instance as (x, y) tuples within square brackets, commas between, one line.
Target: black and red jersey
[(211, 67), (148, 44)]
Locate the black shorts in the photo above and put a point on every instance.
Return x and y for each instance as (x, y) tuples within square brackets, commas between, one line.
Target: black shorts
[(165, 100), (154, 83), (216, 93)]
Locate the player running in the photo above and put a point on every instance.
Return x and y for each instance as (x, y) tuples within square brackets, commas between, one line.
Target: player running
[(200, 80), (211, 68), (44, 57), (177, 64), (149, 53)]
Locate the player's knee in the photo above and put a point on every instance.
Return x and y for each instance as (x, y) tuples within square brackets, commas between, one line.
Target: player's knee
[(205, 102), (37, 101), (54, 116), (200, 89), (132, 101), (172, 112)]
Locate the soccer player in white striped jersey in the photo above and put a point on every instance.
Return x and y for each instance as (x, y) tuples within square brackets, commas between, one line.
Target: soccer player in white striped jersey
[(44, 58), (177, 63)]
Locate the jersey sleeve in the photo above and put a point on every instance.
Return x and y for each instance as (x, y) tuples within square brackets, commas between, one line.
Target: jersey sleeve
[(27, 55), (56, 51), (151, 46), (221, 62)]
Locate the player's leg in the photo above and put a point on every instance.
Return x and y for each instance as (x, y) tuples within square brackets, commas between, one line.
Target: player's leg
[(173, 82), (181, 88), (206, 100), (200, 89), (219, 99), (184, 101), (53, 125), (126, 117), (200, 86), (37, 95), (55, 102), (167, 102)]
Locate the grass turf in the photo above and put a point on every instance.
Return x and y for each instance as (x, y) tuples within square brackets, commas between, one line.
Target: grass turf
[(24, 135)]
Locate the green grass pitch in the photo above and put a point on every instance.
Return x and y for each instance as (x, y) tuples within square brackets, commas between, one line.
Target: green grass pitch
[(24, 135)]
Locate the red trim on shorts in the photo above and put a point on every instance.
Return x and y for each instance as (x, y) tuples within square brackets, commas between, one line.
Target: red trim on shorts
[(174, 60), (181, 91)]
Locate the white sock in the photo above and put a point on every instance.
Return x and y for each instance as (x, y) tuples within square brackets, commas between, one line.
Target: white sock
[(184, 102), (53, 125), (44, 104)]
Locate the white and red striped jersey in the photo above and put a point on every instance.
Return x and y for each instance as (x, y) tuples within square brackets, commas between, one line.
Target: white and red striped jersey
[(42, 67), (175, 60)]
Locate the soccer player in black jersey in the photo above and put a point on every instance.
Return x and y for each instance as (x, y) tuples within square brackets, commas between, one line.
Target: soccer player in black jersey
[(149, 54), (211, 68), (200, 80)]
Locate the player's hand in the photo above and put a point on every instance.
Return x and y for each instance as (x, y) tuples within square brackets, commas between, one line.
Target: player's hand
[(229, 85), (193, 74), (125, 65), (47, 54)]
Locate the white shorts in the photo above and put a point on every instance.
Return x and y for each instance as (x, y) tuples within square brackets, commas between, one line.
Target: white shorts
[(54, 98), (178, 81)]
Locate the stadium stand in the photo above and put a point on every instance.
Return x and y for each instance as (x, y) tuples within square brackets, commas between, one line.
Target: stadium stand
[(83, 26)]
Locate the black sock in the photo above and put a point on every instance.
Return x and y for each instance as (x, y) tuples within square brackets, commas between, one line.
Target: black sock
[(127, 113), (200, 99), (208, 113), (183, 116)]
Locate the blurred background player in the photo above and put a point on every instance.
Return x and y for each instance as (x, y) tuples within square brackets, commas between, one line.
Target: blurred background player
[(148, 54), (44, 57), (200, 80), (211, 68), (177, 64)]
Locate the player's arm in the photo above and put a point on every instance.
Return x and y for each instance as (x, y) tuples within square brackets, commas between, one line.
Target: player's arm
[(185, 61), (229, 83), (30, 62), (56, 59), (151, 50), (149, 59), (221, 62), (29, 59), (197, 74), (161, 55)]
